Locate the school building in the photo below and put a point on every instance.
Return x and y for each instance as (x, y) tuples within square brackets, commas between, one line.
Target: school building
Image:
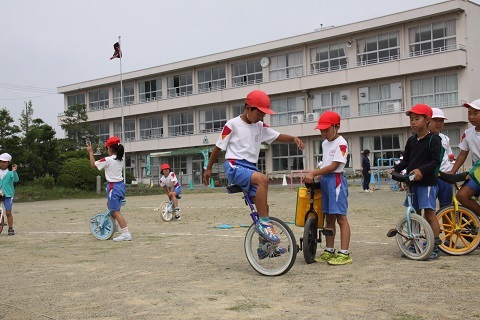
[(370, 72)]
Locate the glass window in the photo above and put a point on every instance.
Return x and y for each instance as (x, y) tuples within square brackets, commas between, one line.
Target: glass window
[(238, 110), (179, 85), (286, 156), (287, 111), (102, 131), (328, 58), (245, 73), (385, 147), (76, 99), (334, 101), (180, 124), (285, 66), (379, 99), (212, 120), (98, 100), (128, 95), (212, 79), (129, 126), (150, 90), (432, 38), (378, 48), (440, 91), (151, 128), (454, 135)]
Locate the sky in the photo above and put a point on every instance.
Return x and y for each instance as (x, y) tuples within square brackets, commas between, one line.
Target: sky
[(45, 44)]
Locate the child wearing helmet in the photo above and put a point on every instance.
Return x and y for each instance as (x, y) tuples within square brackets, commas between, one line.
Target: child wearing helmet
[(113, 165), (241, 137), (169, 182), (7, 190)]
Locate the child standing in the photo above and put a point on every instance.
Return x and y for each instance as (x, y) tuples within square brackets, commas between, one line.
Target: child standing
[(7, 189), (469, 142), (421, 158), (366, 171), (173, 188), (241, 137), (334, 188), (113, 165)]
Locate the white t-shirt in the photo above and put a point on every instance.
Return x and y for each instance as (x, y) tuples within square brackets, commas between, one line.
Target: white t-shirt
[(469, 142), (335, 151), (242, 140), (169, 180), (113, 168), (446, 165)]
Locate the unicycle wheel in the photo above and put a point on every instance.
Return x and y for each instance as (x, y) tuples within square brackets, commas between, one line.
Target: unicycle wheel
[(102, 226), (2, 223), (420, 245), (310, 236), (166, 211), (458, 230)]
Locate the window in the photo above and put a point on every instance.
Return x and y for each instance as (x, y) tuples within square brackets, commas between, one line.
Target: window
[(328, 58), (180, 85), (334, 101), (286, 156), (380, 99), (244, 73), (440, 91), (102, 131), (212, 120), (212, 79), (180, 124), (385, 147), (150, 90), (98, 100), (130, 165), (318, 152), (431, 38), (238, 110), (76, 99), (128, 96), (378, 48), (151, 128), (129, 129), (454, 135), (290, 110), (285, 66)]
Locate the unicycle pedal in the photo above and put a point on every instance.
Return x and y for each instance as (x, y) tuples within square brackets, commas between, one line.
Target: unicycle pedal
[(327, 232), (392, 233)]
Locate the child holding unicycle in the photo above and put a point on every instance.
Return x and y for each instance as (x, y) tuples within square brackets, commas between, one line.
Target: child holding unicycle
[(172, 187), (113, 166), (7, 189)]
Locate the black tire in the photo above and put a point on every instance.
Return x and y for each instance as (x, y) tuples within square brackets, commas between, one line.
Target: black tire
[(310, 236), (270, 263), (421, 245)]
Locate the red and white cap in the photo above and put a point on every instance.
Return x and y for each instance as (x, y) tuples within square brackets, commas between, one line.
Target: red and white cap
[(474, 104), (259, 100), (438, 113)]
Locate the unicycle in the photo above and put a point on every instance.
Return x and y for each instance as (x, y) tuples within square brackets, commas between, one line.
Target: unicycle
[(2, 214), (268, 258), (313, 229), (102, 226), (166, 210), (413, 233)]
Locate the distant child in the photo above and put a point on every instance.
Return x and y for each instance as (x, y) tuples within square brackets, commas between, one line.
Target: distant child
[(366, 171), (242, 137), (469, 142), (421, 158), (169, 182), (113, 165), (334, 187), (444, 188), (7, 189)]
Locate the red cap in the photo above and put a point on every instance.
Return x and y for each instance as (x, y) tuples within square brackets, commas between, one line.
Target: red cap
[(111, 141), (328, 119), (164, 166), (259, 100), (421, 109)]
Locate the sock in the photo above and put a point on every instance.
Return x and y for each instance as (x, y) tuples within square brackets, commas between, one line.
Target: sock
[(345, 252), (264, 219), (125, 230), (331, 250)]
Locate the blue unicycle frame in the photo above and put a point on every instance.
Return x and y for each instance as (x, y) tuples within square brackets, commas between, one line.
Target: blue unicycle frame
[(102, 225)]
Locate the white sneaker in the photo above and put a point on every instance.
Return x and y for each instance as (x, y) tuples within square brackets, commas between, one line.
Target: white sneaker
[(123, 237), (366, 191), (177, 217)]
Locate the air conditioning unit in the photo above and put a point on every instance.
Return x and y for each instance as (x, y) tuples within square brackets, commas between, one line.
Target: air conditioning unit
[(312, 117), (394, 107), (297, 118)]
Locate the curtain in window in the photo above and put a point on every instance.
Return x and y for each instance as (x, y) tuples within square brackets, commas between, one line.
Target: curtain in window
[(411, 38), (450, 31), (361, 49)]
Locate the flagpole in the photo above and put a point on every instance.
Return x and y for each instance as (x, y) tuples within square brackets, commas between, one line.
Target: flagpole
[(121, 107)]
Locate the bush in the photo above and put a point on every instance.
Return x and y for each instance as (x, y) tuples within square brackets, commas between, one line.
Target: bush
[(46, 182), (83, 176), (65, 181)]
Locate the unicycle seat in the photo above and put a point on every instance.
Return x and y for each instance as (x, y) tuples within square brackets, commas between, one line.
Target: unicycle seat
[(233, 188)]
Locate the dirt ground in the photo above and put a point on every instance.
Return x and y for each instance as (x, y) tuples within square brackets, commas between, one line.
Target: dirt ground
[(53, 268)]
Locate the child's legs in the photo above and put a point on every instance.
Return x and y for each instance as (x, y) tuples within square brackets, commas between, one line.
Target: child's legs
[(366, 180), (116, 193), (431, 218), (465, 194), (330, 224), (8, 203), (261, 197), (173, 195), (121, 220), (425, 197), (344, 231)]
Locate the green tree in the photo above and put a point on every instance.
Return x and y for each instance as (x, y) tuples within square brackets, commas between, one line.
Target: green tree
[(9, 141), (75, 125)]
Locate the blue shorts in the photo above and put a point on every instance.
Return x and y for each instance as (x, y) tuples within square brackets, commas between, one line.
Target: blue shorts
[(178, 190), (472, 185), (424, 197), (334, 193), (444, 193), (8, 203), (115, 195), (239, 172)]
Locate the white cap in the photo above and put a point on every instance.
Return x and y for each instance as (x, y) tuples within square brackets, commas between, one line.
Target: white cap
[(438, 113), (474, 104), (5, 157)]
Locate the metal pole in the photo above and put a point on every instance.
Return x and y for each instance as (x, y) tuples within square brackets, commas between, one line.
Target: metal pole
[(121, 107)]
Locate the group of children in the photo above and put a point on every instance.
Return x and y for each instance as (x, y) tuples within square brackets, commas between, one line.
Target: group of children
[(242, 137)]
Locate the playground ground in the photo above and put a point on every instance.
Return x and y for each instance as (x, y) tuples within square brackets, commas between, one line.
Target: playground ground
[(53, 268)]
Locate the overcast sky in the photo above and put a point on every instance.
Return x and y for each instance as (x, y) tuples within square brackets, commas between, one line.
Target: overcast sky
[(45, 44)]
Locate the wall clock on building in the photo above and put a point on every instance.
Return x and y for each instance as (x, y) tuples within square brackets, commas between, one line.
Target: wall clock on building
[(264, 62)]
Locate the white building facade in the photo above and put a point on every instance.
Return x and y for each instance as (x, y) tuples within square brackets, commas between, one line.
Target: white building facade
[(370, 72)]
